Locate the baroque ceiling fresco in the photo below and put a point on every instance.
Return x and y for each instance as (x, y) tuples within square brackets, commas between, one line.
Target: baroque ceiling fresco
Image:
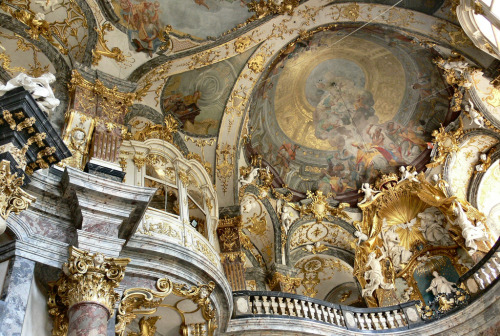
[(314, 123), (336, 111)]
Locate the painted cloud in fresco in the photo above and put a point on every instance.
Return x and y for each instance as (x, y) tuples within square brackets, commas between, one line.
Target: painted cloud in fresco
[(145, 20)]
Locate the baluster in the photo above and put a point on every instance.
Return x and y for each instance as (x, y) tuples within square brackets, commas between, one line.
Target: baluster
[(338, 316), (491, 269), (265, 304), (382, 319), (319, 313), (298, 308), (360, 321), (281, 306), (305, 308), (330, 315), (258, 304), (312, 313), (496, 262), (274, 306), (479, 281), (369, 322), (485, 275), (326, 314), (289, 304), (252, 304), (399, 319), (375, 321), (390, 319)]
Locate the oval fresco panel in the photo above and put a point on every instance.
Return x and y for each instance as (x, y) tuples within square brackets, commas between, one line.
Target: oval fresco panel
[(336, 111)]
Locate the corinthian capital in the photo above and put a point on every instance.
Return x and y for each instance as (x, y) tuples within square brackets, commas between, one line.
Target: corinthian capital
[(87, 277)]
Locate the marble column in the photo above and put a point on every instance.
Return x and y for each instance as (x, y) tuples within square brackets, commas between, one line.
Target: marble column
[(15, 295), (88, 318), (83, 299)]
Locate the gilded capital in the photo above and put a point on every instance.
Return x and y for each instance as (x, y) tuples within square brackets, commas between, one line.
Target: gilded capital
[(12, 197), (87, 277)]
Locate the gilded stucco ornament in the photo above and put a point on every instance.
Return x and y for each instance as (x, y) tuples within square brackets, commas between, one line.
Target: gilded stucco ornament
[(445, 143), (145, 301), (411, 221), (163, 132), (264, 8), (12, 197), (102, 49), (319, 208), (86, 277)]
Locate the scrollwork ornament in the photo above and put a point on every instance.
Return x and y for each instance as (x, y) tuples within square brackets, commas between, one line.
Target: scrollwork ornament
[(12, 197), (86, 277)]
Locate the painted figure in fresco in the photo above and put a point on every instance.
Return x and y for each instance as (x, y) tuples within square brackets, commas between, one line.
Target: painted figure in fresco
[(374, 277), (439, 285), (286, 154), (342, 108), (143, 17), (183, 107)]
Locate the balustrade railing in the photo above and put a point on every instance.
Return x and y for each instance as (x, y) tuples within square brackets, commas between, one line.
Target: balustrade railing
[(167, 227), (250, 304), (484, 274), (277, 304)]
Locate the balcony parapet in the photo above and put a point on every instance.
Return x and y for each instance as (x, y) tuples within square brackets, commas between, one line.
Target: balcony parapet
[(169, 228), (484, 274), (250, 304)]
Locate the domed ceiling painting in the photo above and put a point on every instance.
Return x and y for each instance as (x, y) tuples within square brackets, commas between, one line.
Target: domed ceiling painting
[(335, 111)]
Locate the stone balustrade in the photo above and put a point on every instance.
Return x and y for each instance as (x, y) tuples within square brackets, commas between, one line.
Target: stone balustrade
[(484, 274), (277, 304), (167, 227)]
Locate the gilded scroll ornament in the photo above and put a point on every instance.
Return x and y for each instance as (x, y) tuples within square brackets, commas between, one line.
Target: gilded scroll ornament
[(145, 301), (12, 197), (264, 8), (319, 208), (164, 132), (284, 283), (225, 164), (102, 49), (445, 143)]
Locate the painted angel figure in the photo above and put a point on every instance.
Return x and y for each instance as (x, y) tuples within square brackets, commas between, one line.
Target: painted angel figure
[(369, 193), (439, 285), (250, 178)]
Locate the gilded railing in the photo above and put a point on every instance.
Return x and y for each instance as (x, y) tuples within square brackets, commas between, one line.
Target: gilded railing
[(169, 228)]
